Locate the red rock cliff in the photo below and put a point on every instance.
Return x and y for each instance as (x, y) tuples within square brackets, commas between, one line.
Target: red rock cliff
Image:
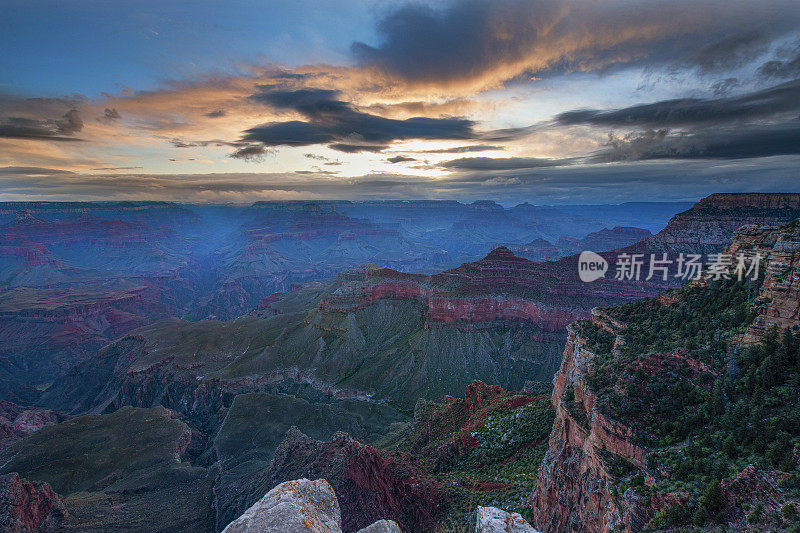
[(29, 506), (575, 488)]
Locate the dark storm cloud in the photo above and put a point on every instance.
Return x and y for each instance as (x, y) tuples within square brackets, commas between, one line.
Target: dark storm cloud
[(619, 182), (730, 52), (784, 98), (711, 143), (786, 63), (723, 87), (330, 120), (355, 148), (501, 163), (781, 69), (42, 130), (495, 41)]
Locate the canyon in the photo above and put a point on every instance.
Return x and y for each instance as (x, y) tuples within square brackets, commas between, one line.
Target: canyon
[(420, 389)]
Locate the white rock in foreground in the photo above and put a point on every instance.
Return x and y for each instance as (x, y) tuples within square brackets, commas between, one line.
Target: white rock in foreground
[(381, 526), (494, 520), (299, 506)]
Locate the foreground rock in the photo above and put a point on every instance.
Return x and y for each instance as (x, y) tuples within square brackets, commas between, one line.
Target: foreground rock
[(494, 520), (29, 506), (299, 506), (381, 526)]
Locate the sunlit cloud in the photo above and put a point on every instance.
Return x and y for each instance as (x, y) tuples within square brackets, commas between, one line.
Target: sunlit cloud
[(443, 91)]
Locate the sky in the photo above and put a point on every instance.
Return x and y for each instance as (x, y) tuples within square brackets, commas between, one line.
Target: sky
[(545, 101)]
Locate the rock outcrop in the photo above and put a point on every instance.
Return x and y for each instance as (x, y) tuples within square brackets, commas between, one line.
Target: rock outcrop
[(371, 484), (711, 223), (494, 520), (299, 506), (381, 526), (574, 488), (29, 507), (779, 249), (17, 422)]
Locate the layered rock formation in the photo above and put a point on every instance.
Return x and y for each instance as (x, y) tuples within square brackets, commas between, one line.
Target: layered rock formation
[(499, 287), (575, 487), (356, 354), (710, 224), (613, 451), (779, 249), (75, 276)]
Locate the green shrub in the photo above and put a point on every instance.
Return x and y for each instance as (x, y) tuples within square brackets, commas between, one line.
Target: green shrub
[(700, 516), (789, 512)]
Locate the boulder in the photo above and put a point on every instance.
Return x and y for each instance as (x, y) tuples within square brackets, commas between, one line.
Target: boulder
[(494, 520), (381, 526), (300, 506)]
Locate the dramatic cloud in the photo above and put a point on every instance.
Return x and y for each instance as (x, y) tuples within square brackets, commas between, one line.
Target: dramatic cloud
[(786, 65), (730, 52), (483, 75), (783, 98), (330, 120), (44, 130), (758, 124), (710, 143), (483, 43)]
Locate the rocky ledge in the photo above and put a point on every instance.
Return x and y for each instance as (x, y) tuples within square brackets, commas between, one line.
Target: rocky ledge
[(300, 506)]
